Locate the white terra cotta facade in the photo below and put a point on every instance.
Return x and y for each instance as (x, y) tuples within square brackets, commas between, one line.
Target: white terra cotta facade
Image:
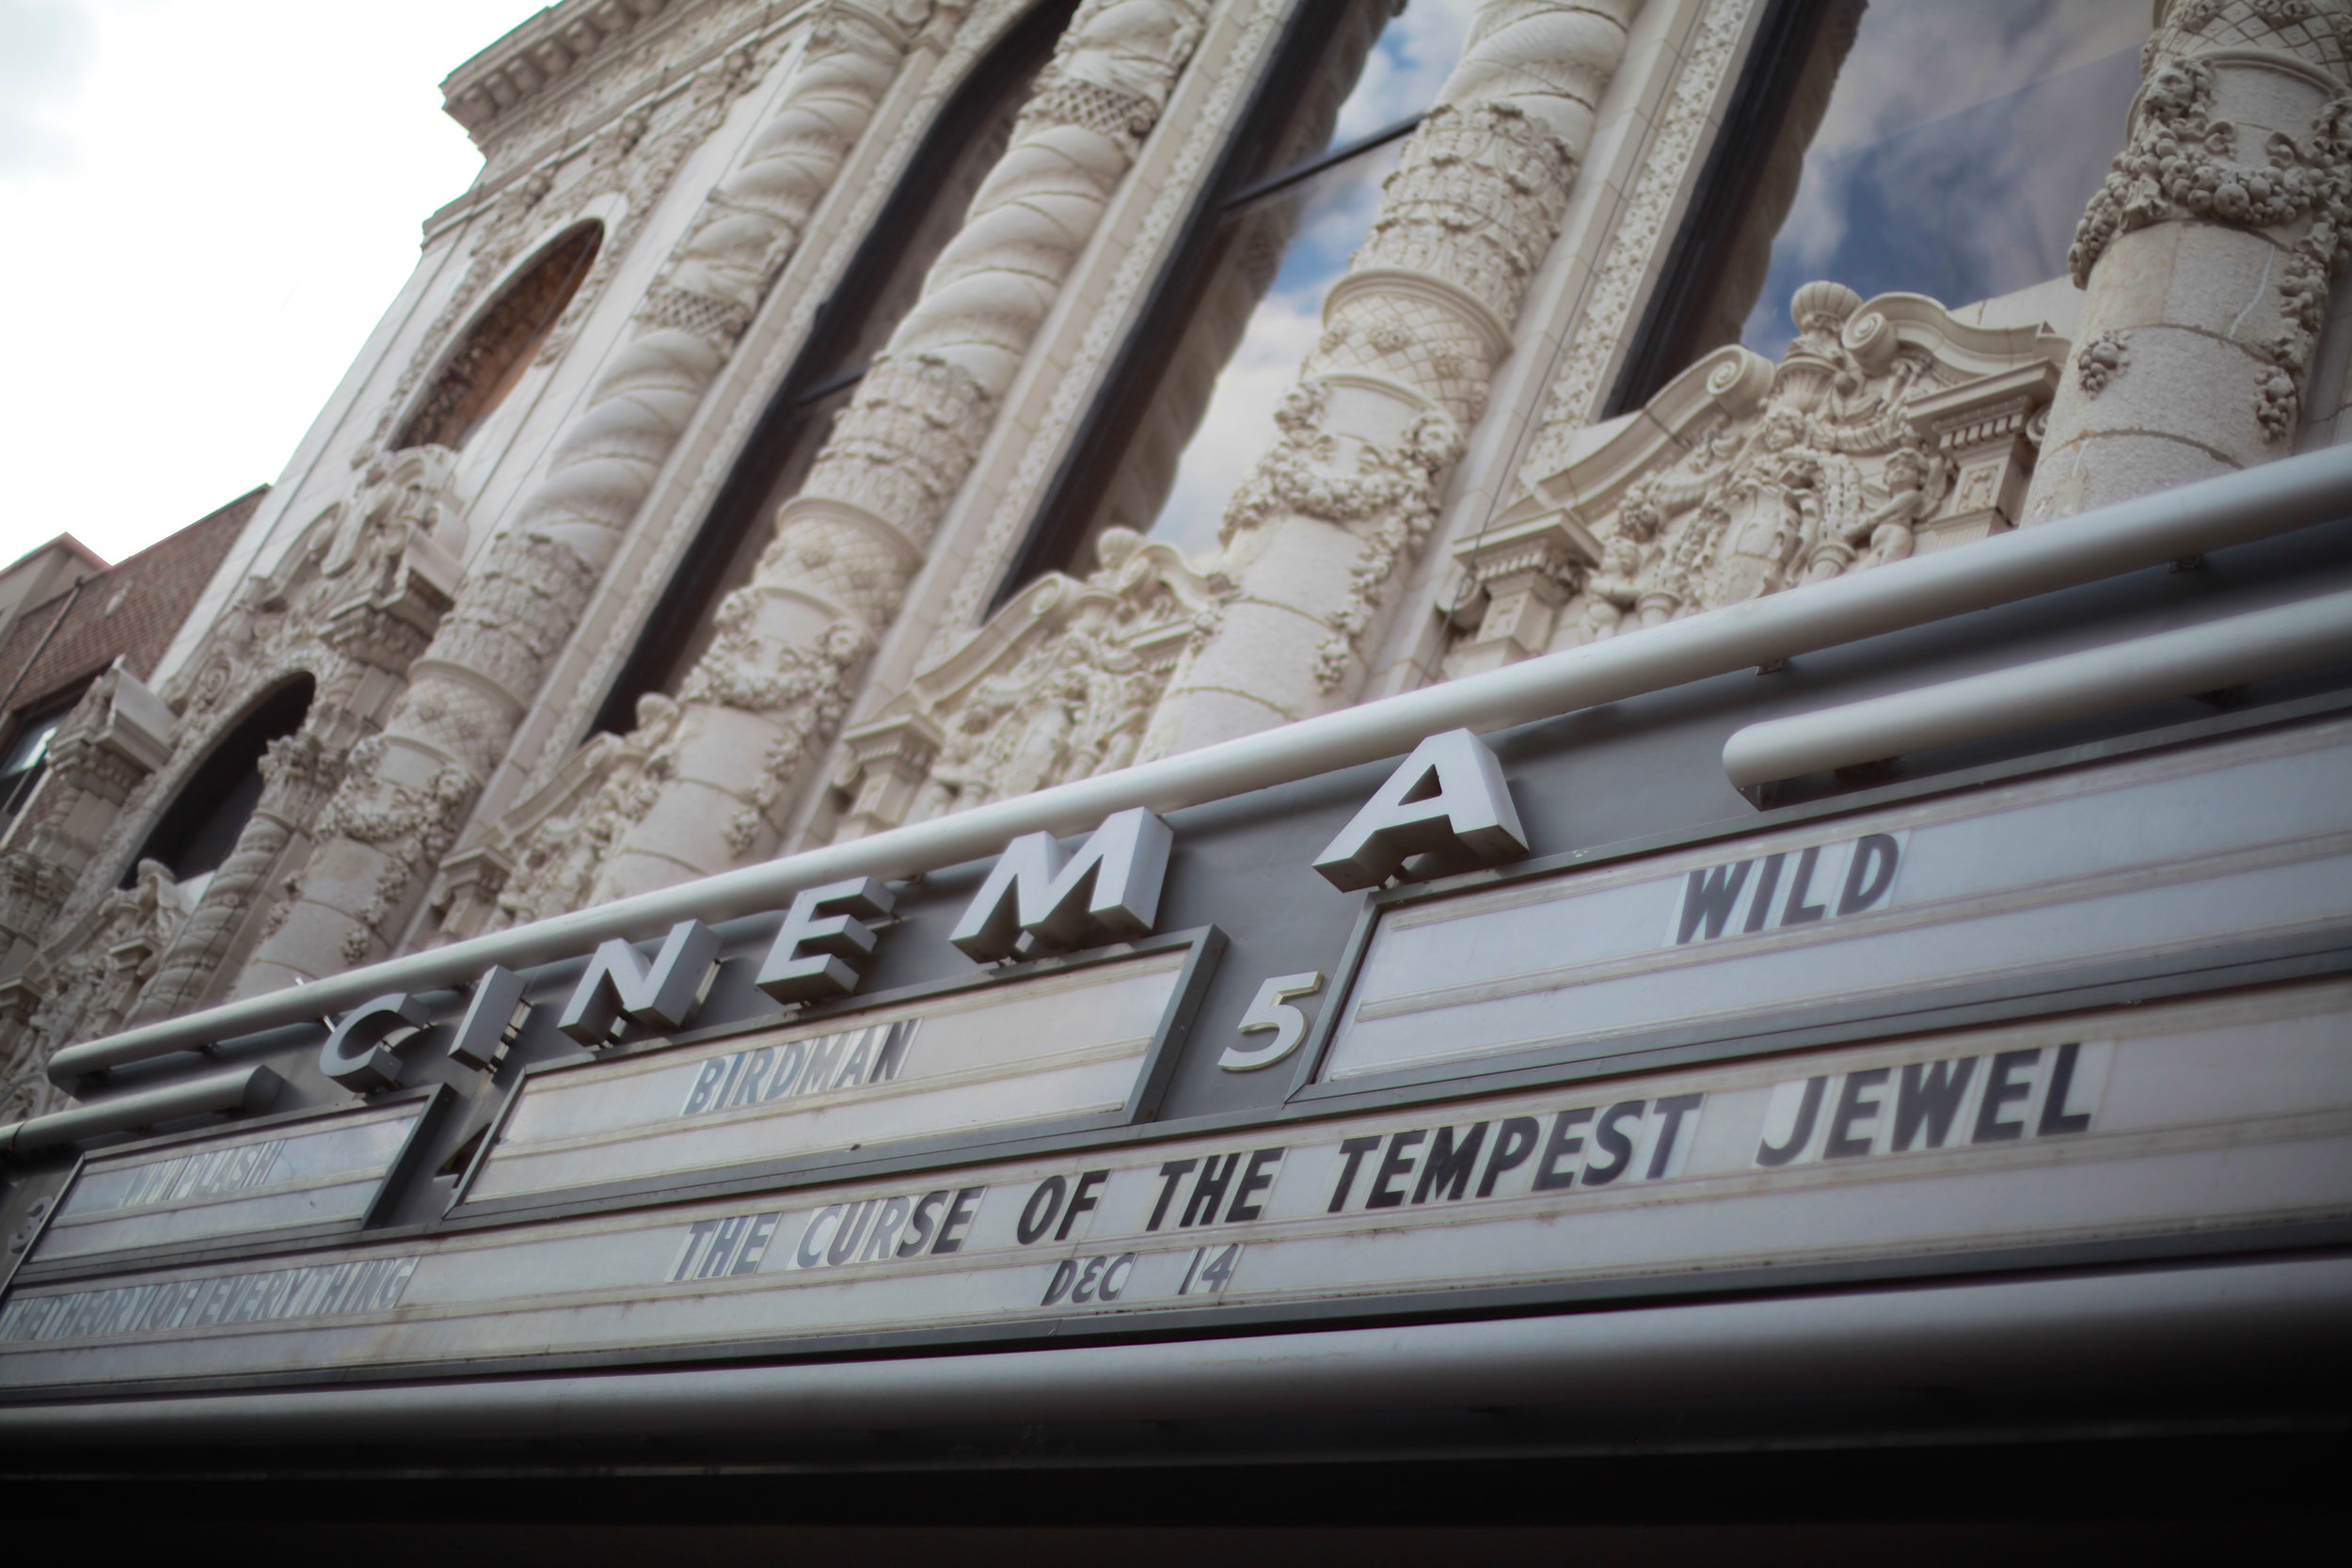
[(488, 519)]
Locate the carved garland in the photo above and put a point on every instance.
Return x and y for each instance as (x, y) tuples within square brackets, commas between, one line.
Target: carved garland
[(356, 595), (2181, 162), (1393, 486), (963, 42), (1106, 324), (524, 600)]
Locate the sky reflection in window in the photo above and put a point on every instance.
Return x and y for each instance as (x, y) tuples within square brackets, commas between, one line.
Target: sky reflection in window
[(1332, 212), (1956, 152)]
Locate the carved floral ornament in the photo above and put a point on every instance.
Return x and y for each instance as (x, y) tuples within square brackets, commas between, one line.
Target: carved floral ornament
[(447, 732), (109, 745), (93, 974), (390, 550), (540, 858), (1388, 489), (1887, 428), (765, 699), (1057, 686), (2184, 161), (619, 173)]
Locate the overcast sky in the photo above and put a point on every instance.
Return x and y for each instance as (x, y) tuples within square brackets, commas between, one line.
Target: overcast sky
[(204, 206)]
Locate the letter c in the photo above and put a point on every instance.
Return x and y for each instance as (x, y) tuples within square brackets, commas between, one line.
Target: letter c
[(355, 1054)]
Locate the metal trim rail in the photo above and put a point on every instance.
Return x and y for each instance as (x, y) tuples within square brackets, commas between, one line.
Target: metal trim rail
[(2181, 663)]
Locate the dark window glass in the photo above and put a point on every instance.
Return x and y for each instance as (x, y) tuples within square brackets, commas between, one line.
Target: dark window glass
[(500, 343), (1898, 145), (1190, 406), (882, 284), (200, 827), (26, 757)]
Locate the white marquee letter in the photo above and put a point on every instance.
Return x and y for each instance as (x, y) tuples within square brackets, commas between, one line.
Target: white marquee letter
[(659, 995), (355, 1057), (1030, 889), (816, 954), (1449, 792)]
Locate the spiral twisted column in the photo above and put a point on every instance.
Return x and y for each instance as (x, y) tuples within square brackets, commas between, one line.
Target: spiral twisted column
[(2208, 257), (402, 799), (766, 695), (1316, 539), (298, 771)]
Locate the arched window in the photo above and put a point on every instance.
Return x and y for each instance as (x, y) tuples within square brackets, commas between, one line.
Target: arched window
[(880, 284), (200, 827), (500, 343), (1189, 404), (1841, 159)]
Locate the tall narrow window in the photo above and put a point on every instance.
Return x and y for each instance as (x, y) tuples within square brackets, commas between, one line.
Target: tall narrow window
[(1191, 402), (200, 827), (500, 343), (880, 285), (1846, 158)]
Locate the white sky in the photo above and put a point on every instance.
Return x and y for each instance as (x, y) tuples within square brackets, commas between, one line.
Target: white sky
[(204, 207)]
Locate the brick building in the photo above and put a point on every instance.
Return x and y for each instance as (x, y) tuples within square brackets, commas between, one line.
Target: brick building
[(66, 616)]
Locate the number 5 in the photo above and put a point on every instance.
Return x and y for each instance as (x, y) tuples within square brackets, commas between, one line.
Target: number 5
[(1270, 1009)]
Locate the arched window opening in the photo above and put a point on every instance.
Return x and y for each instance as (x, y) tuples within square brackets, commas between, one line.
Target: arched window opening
[(200, 827), (1189, 405), (500, 343), (882, 283), (1840, 160)]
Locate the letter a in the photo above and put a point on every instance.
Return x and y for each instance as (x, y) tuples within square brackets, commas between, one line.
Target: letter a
[(1449, 793)]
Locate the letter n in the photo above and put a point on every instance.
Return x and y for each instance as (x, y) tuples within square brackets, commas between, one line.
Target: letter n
[(658, 995)]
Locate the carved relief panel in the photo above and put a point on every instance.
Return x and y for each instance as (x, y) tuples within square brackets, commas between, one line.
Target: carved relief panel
[(1887, 428), (1058, 685)]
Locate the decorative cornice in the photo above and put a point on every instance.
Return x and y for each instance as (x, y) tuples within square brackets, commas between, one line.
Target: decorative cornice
[(565, 117), (539, 54)]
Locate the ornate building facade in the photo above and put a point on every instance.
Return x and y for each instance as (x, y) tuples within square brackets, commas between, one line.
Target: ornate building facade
[(1195, 762), (822, 418)]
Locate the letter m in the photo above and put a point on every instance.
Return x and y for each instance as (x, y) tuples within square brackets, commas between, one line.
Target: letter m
[(658, 995), (1108, 889)]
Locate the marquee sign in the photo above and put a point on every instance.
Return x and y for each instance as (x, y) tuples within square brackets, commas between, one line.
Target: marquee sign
[(301, 1177), (1554, 1081), (1958, 1147)]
